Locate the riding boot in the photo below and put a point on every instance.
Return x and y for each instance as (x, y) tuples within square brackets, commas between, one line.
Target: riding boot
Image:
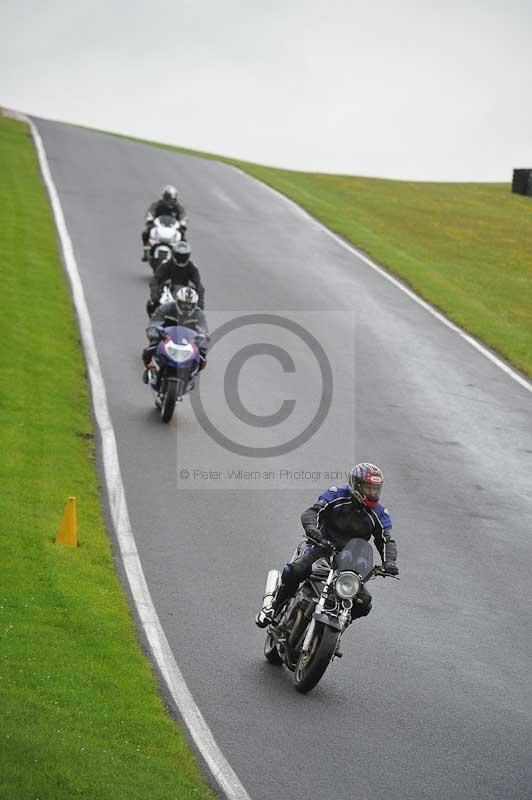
[(265, 618)]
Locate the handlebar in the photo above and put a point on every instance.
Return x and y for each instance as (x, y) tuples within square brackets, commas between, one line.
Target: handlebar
[(377, 571), (321, 542)]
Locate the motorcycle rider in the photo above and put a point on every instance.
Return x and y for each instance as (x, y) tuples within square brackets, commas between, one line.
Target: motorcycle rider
[(183, 311), (180, 270), (167, 204), (340, 514)]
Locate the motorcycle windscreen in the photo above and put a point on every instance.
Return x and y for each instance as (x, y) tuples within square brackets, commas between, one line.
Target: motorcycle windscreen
[(180, 332), (166, 221), (356, 556)]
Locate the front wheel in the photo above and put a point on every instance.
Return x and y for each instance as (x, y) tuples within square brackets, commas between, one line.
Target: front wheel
[(169, 401), (311, 666)]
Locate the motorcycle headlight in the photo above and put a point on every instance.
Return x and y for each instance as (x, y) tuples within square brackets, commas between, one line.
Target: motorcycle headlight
[(183, 355), (178, 353), (347, 585)]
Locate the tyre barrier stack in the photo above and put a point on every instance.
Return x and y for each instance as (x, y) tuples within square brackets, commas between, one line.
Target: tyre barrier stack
[(522, 182)]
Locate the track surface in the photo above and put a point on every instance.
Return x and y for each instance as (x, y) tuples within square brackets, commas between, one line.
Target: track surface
[(432, 698)]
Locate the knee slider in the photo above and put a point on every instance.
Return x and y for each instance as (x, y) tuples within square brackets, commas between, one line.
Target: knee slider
[(361, 607), (361, 610)]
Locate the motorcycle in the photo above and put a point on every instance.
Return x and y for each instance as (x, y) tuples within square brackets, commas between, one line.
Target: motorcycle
[(306, 631), (165, 232), (174, 367)]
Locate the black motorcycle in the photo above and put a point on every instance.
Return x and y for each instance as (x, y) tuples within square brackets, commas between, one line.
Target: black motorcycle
[(306, 631)]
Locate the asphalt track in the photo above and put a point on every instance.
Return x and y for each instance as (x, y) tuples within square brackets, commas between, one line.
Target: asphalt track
[(432, 698)]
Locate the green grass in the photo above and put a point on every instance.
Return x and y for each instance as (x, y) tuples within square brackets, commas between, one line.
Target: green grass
[(80, 713), (466, 248)]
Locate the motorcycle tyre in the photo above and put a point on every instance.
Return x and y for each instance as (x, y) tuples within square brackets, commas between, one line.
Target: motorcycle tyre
[(169, 401), (326, 640), (271, 653)]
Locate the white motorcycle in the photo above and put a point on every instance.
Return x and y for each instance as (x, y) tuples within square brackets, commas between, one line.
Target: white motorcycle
[(165, 232)]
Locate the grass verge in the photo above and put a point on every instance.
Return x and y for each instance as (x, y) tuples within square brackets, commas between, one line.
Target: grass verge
[(466, 248), (81, 716)]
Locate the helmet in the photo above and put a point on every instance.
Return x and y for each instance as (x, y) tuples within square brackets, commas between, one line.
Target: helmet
[(182, 253), (365, 484), (170, 193), (186, 299)]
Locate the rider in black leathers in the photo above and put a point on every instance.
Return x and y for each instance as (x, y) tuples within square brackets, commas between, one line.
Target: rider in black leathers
[(181, 271), (340, 514), (167, 204)]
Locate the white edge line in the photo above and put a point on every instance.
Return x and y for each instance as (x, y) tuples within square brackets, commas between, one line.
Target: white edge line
[(396, 282), (192, 716)]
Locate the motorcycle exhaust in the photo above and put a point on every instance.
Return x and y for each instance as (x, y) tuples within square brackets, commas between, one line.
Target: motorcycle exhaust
[(272, 582)]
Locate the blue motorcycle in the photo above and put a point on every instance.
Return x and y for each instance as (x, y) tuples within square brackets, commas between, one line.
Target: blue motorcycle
[(174, 367)]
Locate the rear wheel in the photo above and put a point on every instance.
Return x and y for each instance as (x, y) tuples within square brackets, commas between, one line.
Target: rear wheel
[(311, 666), (169, 401), (270, 650)]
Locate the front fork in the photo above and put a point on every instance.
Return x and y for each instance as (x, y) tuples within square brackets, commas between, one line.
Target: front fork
[(344, 617), (318, 610)]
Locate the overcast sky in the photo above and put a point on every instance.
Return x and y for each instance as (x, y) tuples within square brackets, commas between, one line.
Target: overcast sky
[(437, 90)]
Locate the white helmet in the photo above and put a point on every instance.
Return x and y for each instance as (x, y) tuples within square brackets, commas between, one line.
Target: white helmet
[(170, 193), (186, 299)]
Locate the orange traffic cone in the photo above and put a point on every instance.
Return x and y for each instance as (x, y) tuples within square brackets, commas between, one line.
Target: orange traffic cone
[(67, 531)]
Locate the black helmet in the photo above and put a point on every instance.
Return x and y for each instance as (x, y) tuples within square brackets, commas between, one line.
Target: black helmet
[(182, 253), (186, 299), (170, 194), (365, 484)]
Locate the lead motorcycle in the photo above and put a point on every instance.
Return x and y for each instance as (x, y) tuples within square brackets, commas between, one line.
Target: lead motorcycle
[(174, 367), (306, 631)]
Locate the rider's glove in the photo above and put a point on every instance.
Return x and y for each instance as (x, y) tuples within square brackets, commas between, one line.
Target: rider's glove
[(314, 533), (390, 568), (162, 333), (151, 307)]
